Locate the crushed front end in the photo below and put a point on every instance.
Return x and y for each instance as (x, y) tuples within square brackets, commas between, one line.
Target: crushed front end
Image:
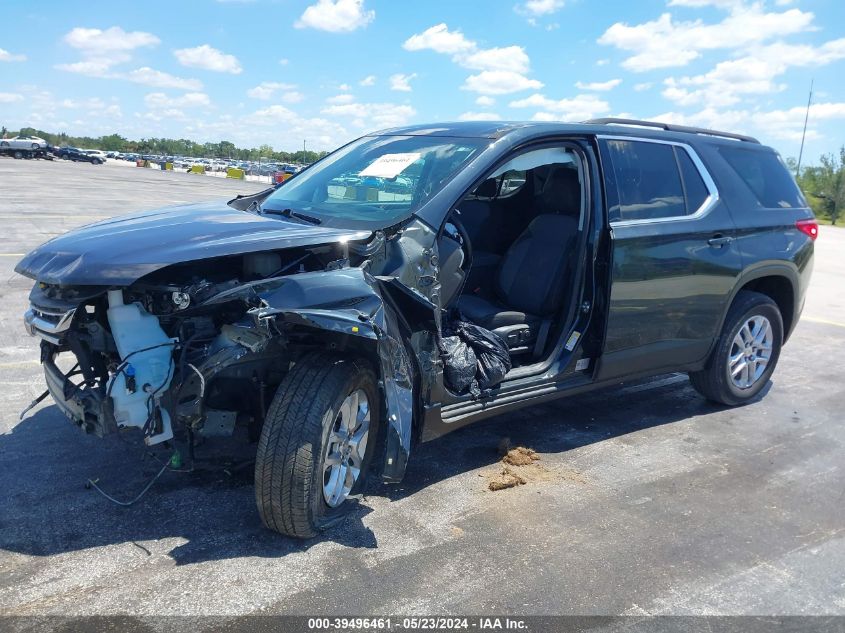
[(199, 348)]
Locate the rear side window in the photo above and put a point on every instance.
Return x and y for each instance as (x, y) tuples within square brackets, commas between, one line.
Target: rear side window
[(654, 181), (766, 177)]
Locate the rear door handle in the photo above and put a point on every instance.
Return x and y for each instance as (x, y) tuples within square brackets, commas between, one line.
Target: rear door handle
[(720, 240)]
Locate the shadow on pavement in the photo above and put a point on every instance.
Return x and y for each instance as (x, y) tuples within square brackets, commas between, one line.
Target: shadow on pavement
[(46, 462)]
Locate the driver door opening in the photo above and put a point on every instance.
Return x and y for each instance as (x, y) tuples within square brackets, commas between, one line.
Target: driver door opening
[(509, 251)]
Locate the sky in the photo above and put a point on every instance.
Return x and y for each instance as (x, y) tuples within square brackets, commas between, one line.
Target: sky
[(284, 72)]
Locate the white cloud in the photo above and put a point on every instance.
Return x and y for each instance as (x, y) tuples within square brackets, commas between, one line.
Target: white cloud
[(479, 116), (158, 79), (266, 89), (500, 82), (284, 61), (208, 58), (641, 87), (6, 56), (99, 42), (271, 114), (336, 16), (340, 99), (783, 124), (344, 87), (91, 67), (788, 124), (537, 8), (159, 100), (754, 74), (10, 97), (485, 101), (372, 115), (503, 69), (577, 108), (101, 50), (402, 83), (697, 4), (439, 39), (292, 97), (664, 43), (369, 80), (600, 86), (510, 58)]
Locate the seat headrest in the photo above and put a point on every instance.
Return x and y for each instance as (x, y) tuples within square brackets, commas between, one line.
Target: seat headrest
[(487, 189), (561, 192)]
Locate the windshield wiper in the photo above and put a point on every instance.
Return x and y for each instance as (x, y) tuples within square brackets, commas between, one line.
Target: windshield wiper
[(288, 213)]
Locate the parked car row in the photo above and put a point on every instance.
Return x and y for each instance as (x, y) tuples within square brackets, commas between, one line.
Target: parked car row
[(253, 168), (33, 146)]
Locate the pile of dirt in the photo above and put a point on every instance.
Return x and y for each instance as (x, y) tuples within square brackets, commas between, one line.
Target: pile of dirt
[(505, 479), (520, 456), (519, 468)]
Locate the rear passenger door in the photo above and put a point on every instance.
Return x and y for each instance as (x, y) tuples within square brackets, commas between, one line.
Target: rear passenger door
[(674, 259)]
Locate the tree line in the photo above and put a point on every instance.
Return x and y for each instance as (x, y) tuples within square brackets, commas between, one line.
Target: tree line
[(824, 185), (168, 146)]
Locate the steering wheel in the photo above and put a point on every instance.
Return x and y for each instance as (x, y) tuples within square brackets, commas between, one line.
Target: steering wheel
[(466, 247)]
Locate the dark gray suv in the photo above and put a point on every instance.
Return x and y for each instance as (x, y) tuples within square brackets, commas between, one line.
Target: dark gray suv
[(420, 279)]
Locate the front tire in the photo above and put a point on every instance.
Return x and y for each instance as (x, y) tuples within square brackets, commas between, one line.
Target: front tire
[(316, 444), (746, 352)]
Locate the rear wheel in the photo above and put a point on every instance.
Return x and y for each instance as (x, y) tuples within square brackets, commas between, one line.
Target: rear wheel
[(746, 352), (314, 450), (18, 154)]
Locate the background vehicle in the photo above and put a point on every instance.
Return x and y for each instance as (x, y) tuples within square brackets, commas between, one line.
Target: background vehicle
[(77, 155), (96, 153), (319, 315), (24, 142)]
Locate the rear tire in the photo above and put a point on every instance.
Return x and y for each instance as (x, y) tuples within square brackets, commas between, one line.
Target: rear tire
[(746, 352), (304, 472)]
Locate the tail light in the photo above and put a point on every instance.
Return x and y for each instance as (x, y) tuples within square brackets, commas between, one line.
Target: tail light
[(808, 227)]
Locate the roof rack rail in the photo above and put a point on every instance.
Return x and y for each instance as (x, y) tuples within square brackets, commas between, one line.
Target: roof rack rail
[(671, 127)]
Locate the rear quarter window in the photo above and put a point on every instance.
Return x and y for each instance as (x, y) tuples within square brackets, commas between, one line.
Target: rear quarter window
[(653, 181), (766, 178)]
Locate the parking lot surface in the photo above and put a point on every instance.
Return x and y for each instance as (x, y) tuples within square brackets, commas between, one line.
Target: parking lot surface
[(647, 499)]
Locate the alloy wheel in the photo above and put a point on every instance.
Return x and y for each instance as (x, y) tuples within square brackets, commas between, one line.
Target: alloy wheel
[(346, 447), (751, 351)]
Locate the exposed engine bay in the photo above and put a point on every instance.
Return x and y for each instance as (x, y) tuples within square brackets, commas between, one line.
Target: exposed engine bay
[(201, 346)]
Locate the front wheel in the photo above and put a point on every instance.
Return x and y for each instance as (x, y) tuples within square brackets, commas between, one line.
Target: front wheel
[(315, 445), (746, 352)]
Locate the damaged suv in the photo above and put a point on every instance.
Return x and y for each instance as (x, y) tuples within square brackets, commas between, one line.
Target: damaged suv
[(336, 316)]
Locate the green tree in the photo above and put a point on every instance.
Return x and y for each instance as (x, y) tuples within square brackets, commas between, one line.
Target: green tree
[(824, 185)]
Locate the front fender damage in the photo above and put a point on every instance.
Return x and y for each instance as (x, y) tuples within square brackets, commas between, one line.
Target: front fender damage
[(349, 302)]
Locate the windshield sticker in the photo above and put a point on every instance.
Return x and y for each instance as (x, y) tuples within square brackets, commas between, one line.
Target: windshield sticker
[(390, 165)]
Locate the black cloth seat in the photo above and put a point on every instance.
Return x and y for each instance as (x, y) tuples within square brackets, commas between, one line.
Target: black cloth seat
[(532, 276)]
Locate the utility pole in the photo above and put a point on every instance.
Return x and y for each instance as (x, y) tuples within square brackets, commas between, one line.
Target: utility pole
[(804, 133), (303, 150)]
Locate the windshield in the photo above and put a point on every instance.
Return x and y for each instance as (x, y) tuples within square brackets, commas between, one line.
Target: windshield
[(375, 181)]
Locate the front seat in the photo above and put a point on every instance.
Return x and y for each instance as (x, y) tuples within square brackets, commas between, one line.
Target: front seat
[(531, 279)]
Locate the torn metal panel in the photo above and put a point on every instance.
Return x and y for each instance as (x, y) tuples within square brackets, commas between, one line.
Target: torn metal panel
[(348, 301)]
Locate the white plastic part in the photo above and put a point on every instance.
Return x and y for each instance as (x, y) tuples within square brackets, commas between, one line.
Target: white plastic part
[(134, 329)]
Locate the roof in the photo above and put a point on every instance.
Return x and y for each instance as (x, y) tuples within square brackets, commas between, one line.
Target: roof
[(615, 127)]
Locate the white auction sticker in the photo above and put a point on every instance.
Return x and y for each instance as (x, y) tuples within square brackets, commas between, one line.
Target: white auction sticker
[(390, 165)]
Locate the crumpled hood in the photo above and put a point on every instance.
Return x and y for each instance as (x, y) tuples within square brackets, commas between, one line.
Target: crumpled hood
[(121, 250)]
